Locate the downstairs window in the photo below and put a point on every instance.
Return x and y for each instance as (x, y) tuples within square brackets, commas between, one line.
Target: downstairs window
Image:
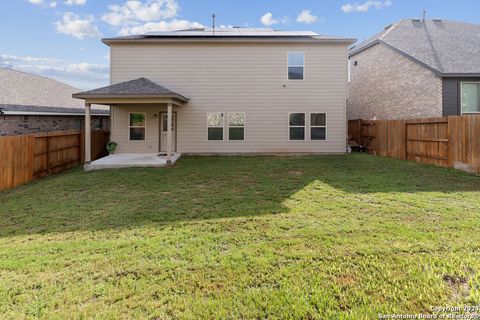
[(470, 97), (236, 126), (318, 126), (137, 126), (215, 126), (296, 126)]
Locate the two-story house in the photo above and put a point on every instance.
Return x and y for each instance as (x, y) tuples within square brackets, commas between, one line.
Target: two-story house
[(416, 69), (224, 91)]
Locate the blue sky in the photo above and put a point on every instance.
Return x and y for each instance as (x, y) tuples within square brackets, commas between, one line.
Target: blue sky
[(61, 38)]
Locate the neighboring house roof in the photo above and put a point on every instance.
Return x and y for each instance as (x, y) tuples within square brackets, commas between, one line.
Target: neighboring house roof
[(448, 48), (19, 88), (140, 87), (12, 109), (230, 34)]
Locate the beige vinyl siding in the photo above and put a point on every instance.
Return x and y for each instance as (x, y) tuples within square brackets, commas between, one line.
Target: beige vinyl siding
[(120, 129), (238, 77)]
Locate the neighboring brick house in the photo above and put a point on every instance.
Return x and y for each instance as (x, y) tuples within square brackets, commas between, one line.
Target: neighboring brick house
[(32, 104), (414, 69), (20, 119)]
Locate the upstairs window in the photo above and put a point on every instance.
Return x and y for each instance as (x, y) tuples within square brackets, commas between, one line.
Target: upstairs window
[(470, 97), (296, 126), (318, 126), (296, 65), (236, 126), (215, 126), (137, 126)]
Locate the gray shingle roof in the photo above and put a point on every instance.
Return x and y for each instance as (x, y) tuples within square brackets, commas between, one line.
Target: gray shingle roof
[(25, 109), (21, 88), (446, 47), (138, 87)]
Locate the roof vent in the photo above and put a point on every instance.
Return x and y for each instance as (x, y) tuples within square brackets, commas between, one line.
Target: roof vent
[(437, 20), (388, 26), (416, 20)]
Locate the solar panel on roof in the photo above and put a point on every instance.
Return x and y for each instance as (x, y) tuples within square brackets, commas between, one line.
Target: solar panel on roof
[(245, 32)]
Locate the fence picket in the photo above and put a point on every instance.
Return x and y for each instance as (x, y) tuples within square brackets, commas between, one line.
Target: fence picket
[(452, 141), (27, 157)]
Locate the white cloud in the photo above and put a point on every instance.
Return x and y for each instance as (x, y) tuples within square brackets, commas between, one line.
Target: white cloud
[(81, 75), (134, 12), (159, 26), (5, 64), (364, 7), (268, 20), (51, 4), (73, 25), (75, 2), (12, 58), (140, 17), (307, 17), (73, 68)]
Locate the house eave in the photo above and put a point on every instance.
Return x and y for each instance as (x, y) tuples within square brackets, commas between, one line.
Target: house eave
[(347, 41), (135, 99), (461, 75), (129, 96), (358, 50), (33, 113)]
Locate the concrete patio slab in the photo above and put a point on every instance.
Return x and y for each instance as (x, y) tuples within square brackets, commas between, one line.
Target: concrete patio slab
[(131, 160)]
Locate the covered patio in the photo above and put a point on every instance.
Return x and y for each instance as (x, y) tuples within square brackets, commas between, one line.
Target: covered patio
[(139, 92)]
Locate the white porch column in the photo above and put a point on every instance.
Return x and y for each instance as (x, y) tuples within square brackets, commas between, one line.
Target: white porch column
[(169, 134), (88, 134)]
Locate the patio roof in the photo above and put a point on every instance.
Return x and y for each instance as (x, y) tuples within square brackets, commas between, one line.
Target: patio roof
[(140, 90)]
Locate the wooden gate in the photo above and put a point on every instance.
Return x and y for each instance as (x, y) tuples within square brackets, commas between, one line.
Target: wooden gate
[(447, 141)]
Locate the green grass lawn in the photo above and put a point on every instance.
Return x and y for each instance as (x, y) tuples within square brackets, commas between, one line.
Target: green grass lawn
[(325, 237)]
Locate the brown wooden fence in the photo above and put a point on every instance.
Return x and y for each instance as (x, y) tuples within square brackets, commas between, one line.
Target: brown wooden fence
[(27, 157), (448, 141)]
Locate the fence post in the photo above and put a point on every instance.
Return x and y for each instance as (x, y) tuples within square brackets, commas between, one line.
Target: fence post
[(405, 156), (449, 144), (48, 154), (79, 149), (81, 154)]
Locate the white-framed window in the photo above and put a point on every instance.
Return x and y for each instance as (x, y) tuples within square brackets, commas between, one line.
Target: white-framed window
[(470, 97), (236, 126), (137, 126), (296, 126), (296, 65), (318, 126), (215, 126)]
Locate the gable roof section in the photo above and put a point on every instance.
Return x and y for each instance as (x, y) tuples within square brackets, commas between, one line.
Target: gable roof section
[(24, 89), (20, 88), (448, 48), (140, 87)]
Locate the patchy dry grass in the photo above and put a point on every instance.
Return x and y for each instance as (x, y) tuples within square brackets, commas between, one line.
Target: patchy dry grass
[(342, 237)]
